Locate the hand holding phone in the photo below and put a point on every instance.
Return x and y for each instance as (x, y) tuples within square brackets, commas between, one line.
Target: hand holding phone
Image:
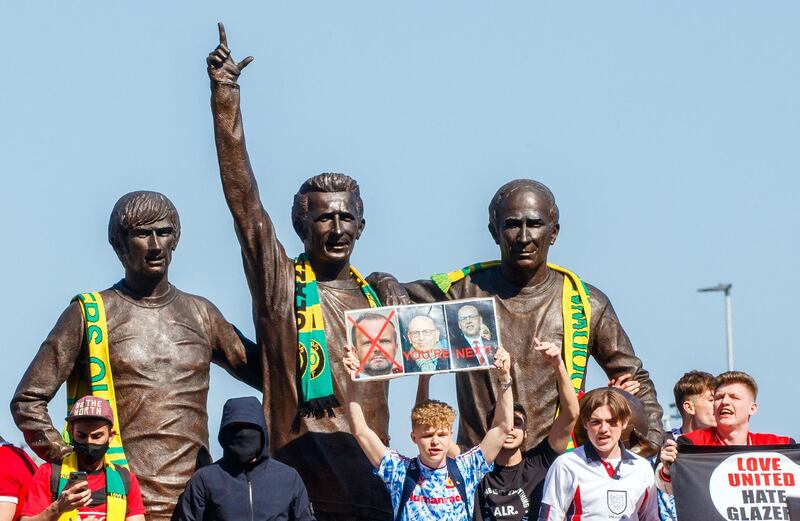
[(76, 477), (76, 493)]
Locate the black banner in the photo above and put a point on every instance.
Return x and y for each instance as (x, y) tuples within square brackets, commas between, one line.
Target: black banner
[(741, 483)]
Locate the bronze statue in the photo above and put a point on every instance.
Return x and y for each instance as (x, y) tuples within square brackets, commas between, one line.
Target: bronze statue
[(161, 342), (523, 221), (310, 435)]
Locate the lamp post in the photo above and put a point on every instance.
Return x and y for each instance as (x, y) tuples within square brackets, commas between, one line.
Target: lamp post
[(726, 289)]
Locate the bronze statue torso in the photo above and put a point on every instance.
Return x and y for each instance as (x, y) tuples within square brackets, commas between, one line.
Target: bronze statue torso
[(524, 313), (160, 349)]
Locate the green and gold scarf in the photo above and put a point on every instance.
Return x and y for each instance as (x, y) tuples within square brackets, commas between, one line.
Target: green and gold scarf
[(313, 363), (101, 381), (575, 308)]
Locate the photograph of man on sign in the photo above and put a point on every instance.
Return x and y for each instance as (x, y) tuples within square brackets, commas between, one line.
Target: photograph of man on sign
[(424, 338), (373, 334), (473, 334)]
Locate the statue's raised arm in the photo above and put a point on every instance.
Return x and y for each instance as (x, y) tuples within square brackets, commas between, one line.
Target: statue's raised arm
[(253, 225)]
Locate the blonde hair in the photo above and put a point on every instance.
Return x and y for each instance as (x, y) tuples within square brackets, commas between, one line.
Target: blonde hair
[(432, 413)]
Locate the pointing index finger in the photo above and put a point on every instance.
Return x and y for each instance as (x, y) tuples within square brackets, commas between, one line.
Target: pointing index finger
[(223, 39)]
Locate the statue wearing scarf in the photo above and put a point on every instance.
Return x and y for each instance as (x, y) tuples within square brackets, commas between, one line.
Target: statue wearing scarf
[(535, 300), (298, 306), (156, 340)]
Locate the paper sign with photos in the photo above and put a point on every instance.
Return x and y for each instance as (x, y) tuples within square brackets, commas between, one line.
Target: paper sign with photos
[(392, 341)]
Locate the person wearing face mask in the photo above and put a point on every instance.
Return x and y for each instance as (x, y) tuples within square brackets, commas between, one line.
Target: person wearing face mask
[(245, 483), (85, 485)]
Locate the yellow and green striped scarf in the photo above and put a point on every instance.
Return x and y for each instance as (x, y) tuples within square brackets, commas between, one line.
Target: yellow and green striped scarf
[(315, 380), (100, 384), (101, 381), (575, 308)]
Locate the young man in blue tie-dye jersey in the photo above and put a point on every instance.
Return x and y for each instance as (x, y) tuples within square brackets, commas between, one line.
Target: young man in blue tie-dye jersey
[(433, 486)]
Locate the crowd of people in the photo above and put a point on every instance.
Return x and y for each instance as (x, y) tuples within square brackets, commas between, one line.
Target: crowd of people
[(498, 479), (135, 359)]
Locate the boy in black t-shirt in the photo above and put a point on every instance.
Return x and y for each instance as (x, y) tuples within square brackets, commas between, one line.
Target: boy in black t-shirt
[(514, 487)]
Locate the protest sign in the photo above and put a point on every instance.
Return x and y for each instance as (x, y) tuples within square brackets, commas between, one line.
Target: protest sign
[(735, 483), (392, 341)]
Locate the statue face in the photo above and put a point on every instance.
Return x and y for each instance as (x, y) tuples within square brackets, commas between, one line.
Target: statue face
[(423, 333), (377, 363), (149, 248), (470, 321), (332, 228), (525, 231)]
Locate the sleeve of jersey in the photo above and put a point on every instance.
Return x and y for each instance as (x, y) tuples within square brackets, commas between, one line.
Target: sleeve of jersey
[(392, 471), (39, 496), (648, 509), (666, 506), (557, 495), (9, 483), (473, 466), (135, 504)]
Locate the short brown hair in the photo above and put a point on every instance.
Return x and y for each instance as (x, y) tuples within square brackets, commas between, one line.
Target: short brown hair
[(329, 182), (138, 209), (617, 404), (737, 377), (693, 383), (432, 413)]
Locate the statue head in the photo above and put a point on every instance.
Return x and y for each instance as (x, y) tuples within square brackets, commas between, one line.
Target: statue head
[(328, 216), (523, 221), (144, 229)]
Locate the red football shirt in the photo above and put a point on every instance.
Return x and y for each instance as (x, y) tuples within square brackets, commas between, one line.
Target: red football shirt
[(16, 472), (40, 497), (710, 437)]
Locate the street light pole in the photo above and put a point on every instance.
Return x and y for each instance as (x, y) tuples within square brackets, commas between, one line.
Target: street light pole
[(726, 289)]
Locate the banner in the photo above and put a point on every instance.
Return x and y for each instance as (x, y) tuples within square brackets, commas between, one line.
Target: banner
[(736, 483), (392, 341)]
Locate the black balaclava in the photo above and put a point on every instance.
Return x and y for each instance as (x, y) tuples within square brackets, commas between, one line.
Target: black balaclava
[(241, 443)]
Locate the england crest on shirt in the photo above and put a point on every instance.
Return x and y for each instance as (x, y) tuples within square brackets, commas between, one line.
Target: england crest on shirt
[(617, 501)]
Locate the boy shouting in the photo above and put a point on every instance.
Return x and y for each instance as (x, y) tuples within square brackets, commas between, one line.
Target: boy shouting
[(432, 485)]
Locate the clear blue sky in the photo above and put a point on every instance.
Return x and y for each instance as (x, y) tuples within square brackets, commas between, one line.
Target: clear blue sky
[(668, 132)]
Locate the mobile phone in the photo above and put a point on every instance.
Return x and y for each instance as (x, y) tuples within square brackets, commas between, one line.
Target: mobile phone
[(76, 477)]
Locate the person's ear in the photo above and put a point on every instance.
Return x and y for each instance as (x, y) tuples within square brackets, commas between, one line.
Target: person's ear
[(753, 408), (554, 233), (361, 227), (688, 407), (494, 234)]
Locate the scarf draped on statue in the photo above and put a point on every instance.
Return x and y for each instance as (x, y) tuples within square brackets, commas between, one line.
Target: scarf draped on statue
[(100, 384), (576, 310), (313, 362)]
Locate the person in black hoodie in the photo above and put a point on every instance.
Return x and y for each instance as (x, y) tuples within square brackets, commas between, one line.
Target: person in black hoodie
[(245, 484)]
